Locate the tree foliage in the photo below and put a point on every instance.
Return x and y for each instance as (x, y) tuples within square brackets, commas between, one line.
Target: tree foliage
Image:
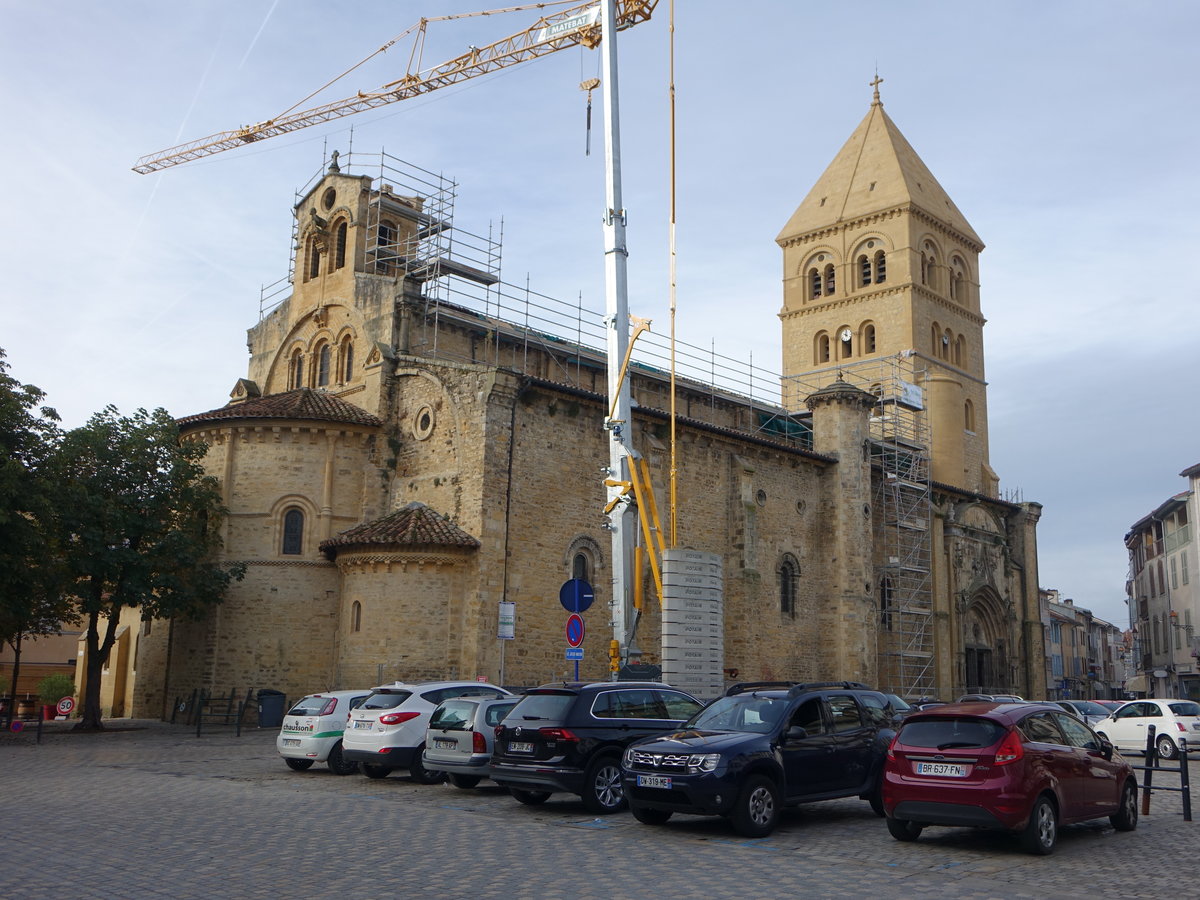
[(138, 521), (30, 599)]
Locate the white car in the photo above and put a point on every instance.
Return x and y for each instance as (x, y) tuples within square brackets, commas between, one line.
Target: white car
[(1173, 719), (312, 731), (388, 730)]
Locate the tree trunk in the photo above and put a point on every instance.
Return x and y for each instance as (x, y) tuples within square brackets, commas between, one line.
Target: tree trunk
[(12, 691), (97, 656)]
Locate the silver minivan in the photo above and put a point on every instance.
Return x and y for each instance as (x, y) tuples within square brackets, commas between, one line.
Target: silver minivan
[(459, 739)]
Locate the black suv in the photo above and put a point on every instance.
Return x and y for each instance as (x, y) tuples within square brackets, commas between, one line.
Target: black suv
[(763, 746), (570, 736)]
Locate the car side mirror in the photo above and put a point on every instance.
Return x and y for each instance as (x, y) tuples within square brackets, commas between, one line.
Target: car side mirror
[(1106, 749), (796, 733)]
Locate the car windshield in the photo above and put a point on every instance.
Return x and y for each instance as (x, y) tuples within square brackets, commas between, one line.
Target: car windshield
[(1088, 708), (453, 715), (898, 703), (385, 699), (1185, 708), (948, 733), (310, 706), (741, 712), (535, 707)]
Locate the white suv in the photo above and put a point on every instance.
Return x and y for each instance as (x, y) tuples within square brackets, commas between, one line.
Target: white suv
[(312, 731), (388, 730)]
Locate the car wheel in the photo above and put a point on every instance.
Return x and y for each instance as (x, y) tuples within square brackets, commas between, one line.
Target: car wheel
[(464, 781), (648, 816), (1041, 833), (602, 792), (298, 765), (530, 798), (337, 762), (1166, 747), (421, 775), (373, 771), (904, 830), (1126, 816), (757, 808)]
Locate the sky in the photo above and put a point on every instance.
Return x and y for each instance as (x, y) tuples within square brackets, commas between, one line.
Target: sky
[(1064, 131)]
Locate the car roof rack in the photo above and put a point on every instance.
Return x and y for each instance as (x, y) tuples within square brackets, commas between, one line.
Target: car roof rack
[(823, 685), (745, 687)]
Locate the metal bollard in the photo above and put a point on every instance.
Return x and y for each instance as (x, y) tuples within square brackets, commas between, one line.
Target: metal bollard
[(1151, 765), (1185, 784)]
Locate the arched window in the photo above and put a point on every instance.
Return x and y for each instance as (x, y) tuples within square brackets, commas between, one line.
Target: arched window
[(314, 260), (323, 365), (947, 341), (356, 616), (935, 339), (868, 338), (880, 267), (814, 283), (346, 368), (929, 266), (296, 370), (789, 573), (969, 416), (845, 343), (293, 532), (581, 567), (830, 280), (885, 603), (959, 350), (822, 348), (864, 270), (339, 246)]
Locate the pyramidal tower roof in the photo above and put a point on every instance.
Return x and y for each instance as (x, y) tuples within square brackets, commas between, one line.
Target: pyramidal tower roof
[(876, 169)]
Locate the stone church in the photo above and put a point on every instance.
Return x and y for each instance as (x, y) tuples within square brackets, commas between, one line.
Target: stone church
[(403, 456)]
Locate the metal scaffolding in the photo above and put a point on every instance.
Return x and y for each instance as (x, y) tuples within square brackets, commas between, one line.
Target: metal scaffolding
[(903, 505)]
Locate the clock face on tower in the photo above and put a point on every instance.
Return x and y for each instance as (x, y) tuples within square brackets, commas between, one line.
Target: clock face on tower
[(846, 334)]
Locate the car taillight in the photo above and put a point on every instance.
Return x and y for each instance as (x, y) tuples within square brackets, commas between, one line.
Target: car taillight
[(557, 734), (397, 718), (499, 731), (329, 707), (1179, 725), (891, 751), (1010, 750), (478, 743)]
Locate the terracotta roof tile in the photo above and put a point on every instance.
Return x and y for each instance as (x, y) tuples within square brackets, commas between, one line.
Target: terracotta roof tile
[(305, 404), (414, 526)]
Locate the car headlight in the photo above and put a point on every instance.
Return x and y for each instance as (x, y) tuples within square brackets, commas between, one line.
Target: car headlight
[(627, 759), (702, 762)]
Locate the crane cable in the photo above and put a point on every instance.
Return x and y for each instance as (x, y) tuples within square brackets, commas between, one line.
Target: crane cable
[(671, 243)]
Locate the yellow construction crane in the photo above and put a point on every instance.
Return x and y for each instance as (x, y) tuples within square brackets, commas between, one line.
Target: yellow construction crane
[(578, 25)]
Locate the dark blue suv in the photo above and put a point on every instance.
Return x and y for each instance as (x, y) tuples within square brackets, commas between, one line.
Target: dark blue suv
[(763, 746)]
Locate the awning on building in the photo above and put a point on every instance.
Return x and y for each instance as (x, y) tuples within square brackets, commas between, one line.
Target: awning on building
[(1136, 684)]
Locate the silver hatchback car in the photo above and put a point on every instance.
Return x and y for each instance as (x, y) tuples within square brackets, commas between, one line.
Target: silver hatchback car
[(460, 735)]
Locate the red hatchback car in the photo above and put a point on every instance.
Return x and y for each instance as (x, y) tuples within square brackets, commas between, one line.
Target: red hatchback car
[(1019, 767)]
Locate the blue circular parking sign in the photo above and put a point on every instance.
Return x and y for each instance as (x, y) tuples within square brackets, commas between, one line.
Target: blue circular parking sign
[(576, 595), (574, 629)]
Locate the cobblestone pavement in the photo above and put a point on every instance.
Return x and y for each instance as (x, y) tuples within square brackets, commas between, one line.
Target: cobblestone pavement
[(153, 811)]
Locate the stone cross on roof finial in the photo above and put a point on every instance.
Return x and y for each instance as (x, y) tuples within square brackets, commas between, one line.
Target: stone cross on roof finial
[(875, 84)]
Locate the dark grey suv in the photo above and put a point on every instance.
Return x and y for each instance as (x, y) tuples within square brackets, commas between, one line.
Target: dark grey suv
[(569, 737), (761, 747)]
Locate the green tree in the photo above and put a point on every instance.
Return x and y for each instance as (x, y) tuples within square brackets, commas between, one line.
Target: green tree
[(30, 577), (138, 522)]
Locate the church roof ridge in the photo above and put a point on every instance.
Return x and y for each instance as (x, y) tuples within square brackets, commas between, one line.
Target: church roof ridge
[(416, 525), (304, 403)]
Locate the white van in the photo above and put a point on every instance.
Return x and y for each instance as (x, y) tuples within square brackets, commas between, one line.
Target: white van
[(312, 731)]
